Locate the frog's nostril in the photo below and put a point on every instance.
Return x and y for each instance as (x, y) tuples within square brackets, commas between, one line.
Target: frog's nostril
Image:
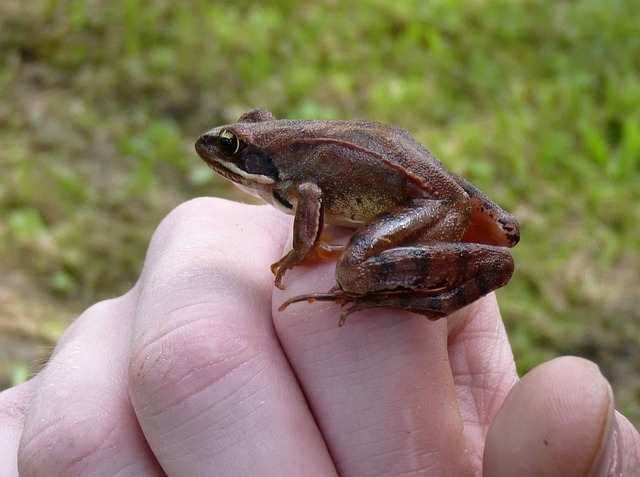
[(204, 144)]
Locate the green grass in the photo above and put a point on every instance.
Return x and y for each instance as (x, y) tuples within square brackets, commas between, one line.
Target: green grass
[(536, 103)]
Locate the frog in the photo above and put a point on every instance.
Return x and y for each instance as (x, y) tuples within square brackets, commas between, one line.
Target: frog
[(424, 239)]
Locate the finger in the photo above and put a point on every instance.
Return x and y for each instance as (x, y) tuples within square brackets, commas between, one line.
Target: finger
[(621, 451), (555, 421), (483, 369), (80, 420), (380, 387), (210, 384), (13, 407)]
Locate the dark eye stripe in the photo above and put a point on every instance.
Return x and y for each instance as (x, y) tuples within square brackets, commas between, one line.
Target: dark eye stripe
[(260, 164)]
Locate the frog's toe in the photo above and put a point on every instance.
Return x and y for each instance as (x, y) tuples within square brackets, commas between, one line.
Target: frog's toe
[(334, 295)]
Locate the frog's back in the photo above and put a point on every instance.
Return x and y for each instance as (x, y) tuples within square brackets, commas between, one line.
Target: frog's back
[(374, 149), (393, 143), (390, 144)]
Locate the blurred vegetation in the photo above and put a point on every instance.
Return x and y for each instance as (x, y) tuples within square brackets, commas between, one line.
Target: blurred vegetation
[(537, 103)]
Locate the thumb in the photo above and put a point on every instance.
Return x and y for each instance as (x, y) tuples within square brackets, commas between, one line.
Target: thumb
[(557, 421)]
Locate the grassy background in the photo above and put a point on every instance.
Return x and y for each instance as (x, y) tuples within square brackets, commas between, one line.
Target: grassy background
[(537, 103)]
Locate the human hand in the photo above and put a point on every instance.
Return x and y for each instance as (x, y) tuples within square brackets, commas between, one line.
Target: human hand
[(195, 372)]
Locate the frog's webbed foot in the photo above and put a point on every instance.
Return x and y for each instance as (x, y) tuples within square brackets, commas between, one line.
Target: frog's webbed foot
[(335, 295), (350, 303)]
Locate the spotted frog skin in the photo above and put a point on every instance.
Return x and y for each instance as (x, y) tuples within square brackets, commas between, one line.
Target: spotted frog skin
[(425, 239)]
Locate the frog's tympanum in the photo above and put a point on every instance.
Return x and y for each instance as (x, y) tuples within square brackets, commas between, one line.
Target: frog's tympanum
[(425, 239)]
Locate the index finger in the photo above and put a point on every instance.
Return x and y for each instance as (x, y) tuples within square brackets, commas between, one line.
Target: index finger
[(381, 387)]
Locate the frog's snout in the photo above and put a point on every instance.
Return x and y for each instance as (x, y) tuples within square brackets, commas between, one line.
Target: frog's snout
[(205, 146)]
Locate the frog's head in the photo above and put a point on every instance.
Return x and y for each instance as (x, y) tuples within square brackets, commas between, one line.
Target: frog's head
[(238, 151)]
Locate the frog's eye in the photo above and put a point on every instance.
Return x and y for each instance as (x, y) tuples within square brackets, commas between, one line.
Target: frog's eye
[(228, 143)]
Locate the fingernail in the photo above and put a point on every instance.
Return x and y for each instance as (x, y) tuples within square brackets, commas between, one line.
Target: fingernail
[(609, 461)]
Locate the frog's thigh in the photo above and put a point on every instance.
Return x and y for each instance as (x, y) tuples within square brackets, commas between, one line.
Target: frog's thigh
[(437, 267), (420, 220)]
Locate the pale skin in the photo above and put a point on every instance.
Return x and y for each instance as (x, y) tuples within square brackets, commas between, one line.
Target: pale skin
[(195, 372)]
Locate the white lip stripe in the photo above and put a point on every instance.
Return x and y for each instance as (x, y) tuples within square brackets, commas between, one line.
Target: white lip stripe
[(245, 175)]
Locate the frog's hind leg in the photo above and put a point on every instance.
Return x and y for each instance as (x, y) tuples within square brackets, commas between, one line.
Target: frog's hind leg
[(432, 305), (433, 280), (430, 279)]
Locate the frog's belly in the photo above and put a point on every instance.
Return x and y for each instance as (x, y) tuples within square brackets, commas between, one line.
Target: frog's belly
[(343, 222), (354, 211)]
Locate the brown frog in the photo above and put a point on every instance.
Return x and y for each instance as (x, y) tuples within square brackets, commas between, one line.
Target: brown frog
[(426, 240)]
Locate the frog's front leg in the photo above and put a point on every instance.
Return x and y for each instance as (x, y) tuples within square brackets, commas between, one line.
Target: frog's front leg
[(307, 229)]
